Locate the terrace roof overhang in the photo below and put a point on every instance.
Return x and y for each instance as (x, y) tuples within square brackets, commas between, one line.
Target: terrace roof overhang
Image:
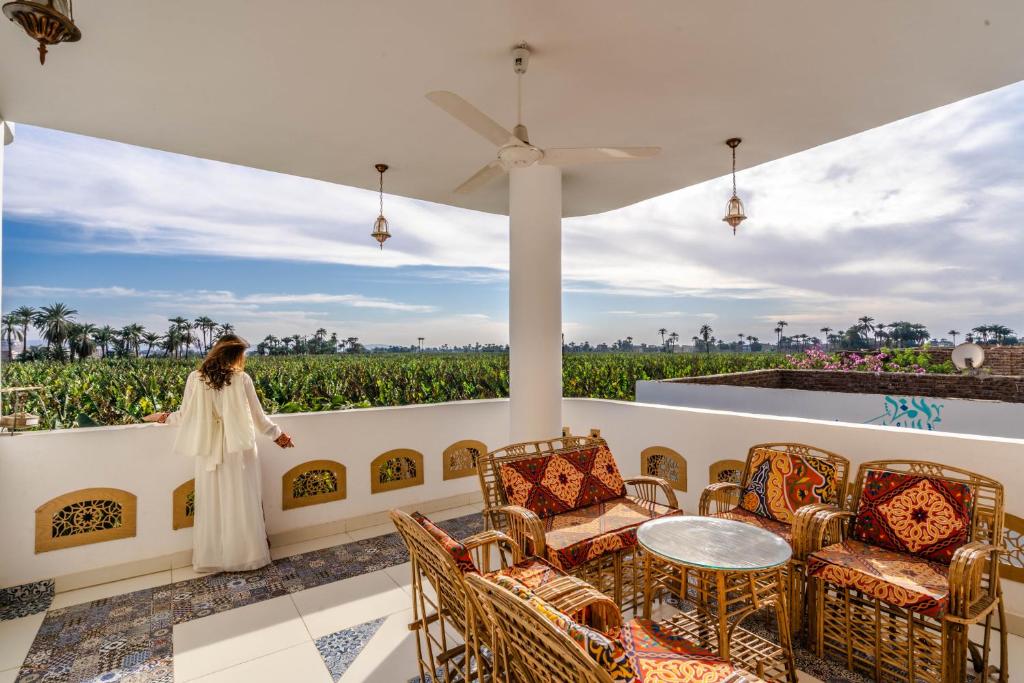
[(325, 89)]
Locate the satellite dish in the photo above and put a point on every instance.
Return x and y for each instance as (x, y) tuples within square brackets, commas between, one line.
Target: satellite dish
[(968, 356)]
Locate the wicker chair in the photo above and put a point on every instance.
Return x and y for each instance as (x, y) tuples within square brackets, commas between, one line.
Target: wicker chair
[(550, 495), (782, 487), (448, 638), (534, 643), (895, 585)]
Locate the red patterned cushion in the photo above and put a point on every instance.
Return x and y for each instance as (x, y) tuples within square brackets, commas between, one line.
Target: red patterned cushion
[(908, 513), (661, 656), (550, 484), (778, 528), (577, 536), (457, 550), (781, 483), (892, 577), (533, 572)]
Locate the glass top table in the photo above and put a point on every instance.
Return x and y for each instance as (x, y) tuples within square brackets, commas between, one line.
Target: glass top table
[(714, 544)]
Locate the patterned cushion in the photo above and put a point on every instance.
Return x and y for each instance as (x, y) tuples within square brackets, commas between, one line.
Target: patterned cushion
[(580, 535), (533, 572), (740, 515), (459, 552), (781, 483), (892, 577), (929, 518), (550, 484), (607, 652), (660, 656)]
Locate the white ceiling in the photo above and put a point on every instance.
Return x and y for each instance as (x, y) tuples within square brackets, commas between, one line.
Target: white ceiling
[(325, 89)]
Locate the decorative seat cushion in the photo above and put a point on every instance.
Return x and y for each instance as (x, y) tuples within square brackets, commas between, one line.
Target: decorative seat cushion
[(533, 572), (606, 651), (740, 515), (926, 517), (458, 551), (551, 484), (895, 578), (781, 483), (577, 536), (660, 656)]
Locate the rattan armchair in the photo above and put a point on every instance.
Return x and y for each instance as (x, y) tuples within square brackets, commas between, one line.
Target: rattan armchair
[(557, 525), (535, 644), (782, 487), (896, 584), (448, 636)]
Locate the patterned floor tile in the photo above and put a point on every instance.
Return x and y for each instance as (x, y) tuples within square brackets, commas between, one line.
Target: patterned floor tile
[(340, 649), (26, 599)]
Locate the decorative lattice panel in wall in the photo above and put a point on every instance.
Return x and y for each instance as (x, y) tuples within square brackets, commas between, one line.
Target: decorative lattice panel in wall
[(183, 505), (312, 483), (726, 470), (661, 461), (1012, 566), (460, 458), (396, 469), (85, 516)]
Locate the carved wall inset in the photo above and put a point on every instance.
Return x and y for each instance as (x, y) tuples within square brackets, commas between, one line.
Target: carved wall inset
[(661, 461), (459, 459), (183, 505), (312, 483), (85, 516), (726, 470), (396, 469), (1012, 566)]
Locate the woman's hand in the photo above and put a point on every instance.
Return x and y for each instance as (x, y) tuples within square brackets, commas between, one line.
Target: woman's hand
[(284, 441), (156, 417)]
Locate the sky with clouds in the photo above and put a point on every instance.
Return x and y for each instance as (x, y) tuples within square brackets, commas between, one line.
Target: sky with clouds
[(918, 220)]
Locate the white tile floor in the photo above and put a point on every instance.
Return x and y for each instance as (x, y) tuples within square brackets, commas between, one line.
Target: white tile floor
[(274, 640)]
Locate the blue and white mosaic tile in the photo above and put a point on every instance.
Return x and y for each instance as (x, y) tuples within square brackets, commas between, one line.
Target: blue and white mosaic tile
[(26, 599), (340, 649)]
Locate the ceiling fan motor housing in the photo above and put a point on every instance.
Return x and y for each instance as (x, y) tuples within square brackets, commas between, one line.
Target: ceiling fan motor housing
[(518, 156)]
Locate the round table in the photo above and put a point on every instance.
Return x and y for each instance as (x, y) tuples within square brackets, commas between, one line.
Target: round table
[(732, 570)]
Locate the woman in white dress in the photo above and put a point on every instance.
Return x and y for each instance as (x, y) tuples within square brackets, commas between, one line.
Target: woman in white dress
[(217, 423)]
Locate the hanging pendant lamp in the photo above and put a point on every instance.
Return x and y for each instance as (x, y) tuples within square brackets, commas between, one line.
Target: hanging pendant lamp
[(734, 214), (380, 226)]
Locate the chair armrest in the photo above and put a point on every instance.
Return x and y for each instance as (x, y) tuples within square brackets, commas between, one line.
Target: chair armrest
[(966, 573), (716, 493), (823, 528), (525, 528), (803, 521), (481, 544), (647, 489), (585, 604)]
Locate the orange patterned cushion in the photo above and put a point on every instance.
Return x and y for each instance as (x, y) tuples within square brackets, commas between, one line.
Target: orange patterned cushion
[(892, 577), (580, 535), (533, 572), (781, 483), (660, 656), (778, 528), (908, 513), (458, 551), (550, 484)]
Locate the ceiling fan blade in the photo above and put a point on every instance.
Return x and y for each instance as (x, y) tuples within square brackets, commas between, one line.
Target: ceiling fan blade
[(470, 116), (571, 156), (481, 177)]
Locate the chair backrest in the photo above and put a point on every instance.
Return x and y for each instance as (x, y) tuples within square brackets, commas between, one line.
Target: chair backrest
[(523, 455), (891, 496), (437, 564), (528, 643), (780, 478)]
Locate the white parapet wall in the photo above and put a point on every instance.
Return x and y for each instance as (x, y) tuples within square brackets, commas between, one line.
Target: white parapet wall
[(960, 415)]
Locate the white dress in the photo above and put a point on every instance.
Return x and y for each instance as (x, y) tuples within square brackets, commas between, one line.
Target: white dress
[(229, 533)]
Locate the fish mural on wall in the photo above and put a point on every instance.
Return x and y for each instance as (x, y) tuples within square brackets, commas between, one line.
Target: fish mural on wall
[(914, 412)]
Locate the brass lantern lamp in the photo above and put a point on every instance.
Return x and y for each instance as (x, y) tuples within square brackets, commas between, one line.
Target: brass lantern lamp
[(734, 212), (48, 22), (380, 226)]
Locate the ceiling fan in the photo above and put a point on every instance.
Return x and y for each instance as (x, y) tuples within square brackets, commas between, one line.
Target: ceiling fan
[(514, 148)]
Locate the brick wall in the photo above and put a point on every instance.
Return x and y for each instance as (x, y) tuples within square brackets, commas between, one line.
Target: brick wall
[(992, 387), (999, 360)]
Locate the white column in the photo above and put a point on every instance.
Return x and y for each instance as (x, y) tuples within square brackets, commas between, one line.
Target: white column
[(6, 137), (535, 302)]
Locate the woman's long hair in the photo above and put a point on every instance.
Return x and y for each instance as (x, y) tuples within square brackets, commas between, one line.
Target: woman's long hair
[(225, 359)]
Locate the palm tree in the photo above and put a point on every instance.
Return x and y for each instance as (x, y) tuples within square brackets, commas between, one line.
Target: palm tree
[(183, 333), (225, 328), (983, 330), (696, 342), (953, 334), (662, 331), (779, 327), (673, 339), (705, 334), (826, 331), (53, 322), (866, 327), (25, 315), (420, 340), (10, 327), (206, 326), (151, 339), (131, 335), (104, 337)]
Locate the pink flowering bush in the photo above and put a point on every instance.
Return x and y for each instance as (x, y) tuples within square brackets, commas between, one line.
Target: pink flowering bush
[(885, 360)]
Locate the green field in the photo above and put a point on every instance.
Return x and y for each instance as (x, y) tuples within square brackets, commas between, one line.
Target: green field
[(121, 391)]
